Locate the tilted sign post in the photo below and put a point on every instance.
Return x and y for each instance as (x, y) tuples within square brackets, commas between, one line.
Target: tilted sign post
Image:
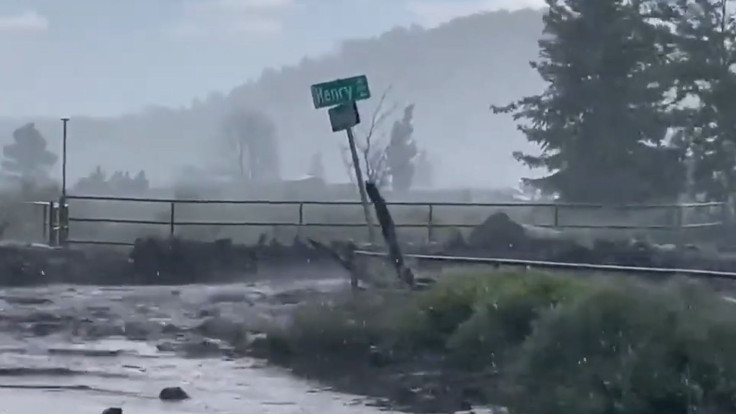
[(341, 96)]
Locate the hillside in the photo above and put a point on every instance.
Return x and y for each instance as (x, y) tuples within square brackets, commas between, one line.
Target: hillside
[(453, 73)]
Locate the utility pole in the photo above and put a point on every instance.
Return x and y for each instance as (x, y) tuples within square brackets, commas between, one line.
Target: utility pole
[(63, 207), (64, 121)]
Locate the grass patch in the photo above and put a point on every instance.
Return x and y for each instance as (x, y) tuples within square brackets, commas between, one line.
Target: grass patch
[(577, 345)]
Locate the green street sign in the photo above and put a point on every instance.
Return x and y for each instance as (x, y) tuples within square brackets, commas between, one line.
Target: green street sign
[(340, 91)]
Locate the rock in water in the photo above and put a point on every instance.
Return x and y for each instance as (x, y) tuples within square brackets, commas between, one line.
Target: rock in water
[(173, 394), (113, 410)]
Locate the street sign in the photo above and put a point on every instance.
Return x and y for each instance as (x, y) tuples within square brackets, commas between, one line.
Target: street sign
[(340, 91), (341, 95), (344, 116)]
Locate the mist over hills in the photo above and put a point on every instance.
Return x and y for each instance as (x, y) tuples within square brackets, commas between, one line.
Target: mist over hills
[(452, 73)]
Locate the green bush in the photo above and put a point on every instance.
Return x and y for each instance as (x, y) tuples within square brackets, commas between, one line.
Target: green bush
[(629, 348), (559, 344), (348, 327), (504, 315), (432, 317)]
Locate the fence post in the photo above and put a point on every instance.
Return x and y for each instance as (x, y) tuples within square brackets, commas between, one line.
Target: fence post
[(556, 219), (430, 218), (301, 220), (44, 224), (51, 224), (678, 224), (171, 219), (63, 222)]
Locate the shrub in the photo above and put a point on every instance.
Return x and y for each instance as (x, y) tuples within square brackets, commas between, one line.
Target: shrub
[(347, 327), (630, 348), (563, 345), (434, 315), (504, 315)]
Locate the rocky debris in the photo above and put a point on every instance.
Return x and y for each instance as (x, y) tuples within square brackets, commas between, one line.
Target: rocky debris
[(113, 410), (21, 300), (499, 236), (152, 261), (46, 328), (173, 394), (194, 347), (223, 329), (141, 330), (177, 261)]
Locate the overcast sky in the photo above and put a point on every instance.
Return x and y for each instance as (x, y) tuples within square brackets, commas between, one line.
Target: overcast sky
[(107, 57)]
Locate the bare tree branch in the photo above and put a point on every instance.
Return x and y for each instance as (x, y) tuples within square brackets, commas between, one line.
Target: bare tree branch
[(372, 150)]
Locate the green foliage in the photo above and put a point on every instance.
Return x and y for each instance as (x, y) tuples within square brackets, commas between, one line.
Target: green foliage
[(705, 36), (576, 345), (437, 313), (346, 328), (602, 120), (424, 175), (503, 317), (27, 156), (629, 349)]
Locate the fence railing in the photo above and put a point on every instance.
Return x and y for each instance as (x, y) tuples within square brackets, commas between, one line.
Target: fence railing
[(60, 219), (541, 264)]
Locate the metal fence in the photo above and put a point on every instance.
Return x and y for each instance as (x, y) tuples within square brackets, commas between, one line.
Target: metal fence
[(549, 265), (676, 217)]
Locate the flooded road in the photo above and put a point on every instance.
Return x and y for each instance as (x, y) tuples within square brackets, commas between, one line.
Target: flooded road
[(80, 350)]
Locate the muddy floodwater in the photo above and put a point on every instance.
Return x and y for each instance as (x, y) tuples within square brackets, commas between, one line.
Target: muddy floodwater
[(78, 350)]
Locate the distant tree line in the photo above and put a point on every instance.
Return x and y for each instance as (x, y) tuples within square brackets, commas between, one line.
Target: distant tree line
[(119, 182), (28, 160), (640, 102)]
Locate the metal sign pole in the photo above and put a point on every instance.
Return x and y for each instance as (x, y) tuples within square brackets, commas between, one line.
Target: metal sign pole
[(361, 186)]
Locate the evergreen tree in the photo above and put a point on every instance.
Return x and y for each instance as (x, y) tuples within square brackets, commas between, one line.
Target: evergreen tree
[(424, 170), (601, 123), (27, 156), (401, 151), (705, 35)]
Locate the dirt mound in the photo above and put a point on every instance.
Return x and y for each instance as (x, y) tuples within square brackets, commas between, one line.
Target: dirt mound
[(499, 232), (499, 236)]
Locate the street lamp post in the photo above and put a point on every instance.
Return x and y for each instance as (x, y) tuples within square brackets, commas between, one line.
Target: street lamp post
[(63, 208), (64, 121)]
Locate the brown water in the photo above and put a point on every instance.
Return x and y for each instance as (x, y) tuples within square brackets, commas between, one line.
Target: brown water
[(80, 350)]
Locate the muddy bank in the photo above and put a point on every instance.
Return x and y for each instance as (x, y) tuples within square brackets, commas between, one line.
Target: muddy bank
[(83, 349), (83, 340)]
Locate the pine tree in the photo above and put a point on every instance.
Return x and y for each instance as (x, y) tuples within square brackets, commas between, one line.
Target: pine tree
[(401, 151), (601, 123), (27, 156), (705, 35)]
